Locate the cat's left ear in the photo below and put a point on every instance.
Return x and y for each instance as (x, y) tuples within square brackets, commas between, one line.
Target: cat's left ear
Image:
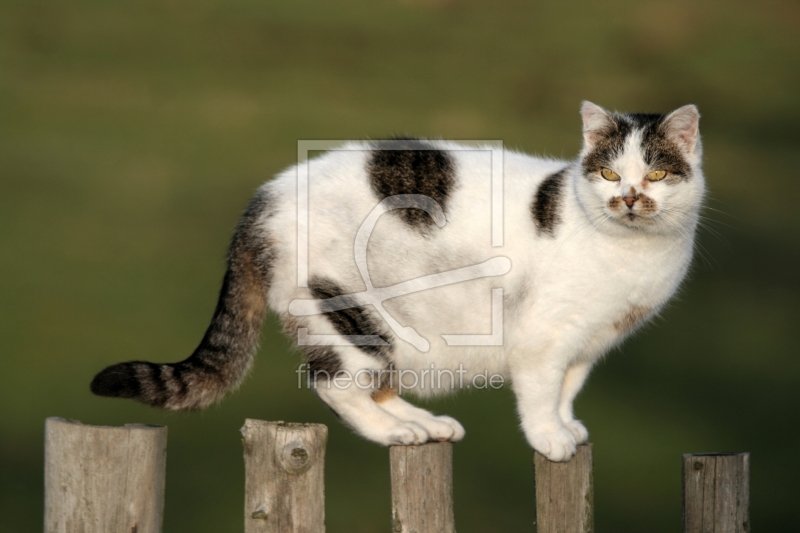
[(683, 127)]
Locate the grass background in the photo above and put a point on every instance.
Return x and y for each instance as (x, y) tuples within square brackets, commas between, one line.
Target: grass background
[(132, 135)]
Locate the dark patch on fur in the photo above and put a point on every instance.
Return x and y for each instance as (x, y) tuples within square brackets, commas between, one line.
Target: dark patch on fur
[(226, 352), (384, 393), (607, 147), (118, 381), (660, 152), (634, 317), (323, 361), (412, 167), (647, 206), (547, 203), (352, 321)]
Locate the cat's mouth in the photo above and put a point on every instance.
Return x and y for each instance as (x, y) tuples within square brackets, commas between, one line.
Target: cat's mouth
[(632, 219), (634, 210)]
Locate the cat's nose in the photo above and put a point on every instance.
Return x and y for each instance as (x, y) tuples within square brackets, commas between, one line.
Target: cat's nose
[(630, 198)]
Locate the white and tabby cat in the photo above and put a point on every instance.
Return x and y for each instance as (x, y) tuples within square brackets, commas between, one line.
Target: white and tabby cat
[(597, 246)]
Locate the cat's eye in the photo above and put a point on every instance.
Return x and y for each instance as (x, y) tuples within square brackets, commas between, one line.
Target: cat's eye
[(656, 175), (609, 174)]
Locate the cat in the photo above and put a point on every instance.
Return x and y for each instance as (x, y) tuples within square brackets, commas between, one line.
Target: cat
[(592, 249)]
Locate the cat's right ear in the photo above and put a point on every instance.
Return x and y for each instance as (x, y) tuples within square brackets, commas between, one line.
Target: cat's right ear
[(596, 122)]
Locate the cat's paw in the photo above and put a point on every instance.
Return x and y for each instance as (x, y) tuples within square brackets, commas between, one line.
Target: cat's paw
[(443, 428), (406, 434), (458, 429), (558, 445), (578, 431)]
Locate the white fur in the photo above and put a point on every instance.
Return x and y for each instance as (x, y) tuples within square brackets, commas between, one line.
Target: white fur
[(562, 295)]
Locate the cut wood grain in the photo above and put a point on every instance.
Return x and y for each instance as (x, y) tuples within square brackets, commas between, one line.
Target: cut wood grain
[(565, 493), (284, 477), (422, 488), (716, 493), (104, 479)]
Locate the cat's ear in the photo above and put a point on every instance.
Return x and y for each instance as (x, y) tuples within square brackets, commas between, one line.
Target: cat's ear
[(596, 122), (683, 127)]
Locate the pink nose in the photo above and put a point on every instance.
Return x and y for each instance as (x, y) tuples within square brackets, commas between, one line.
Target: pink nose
[(629, 201)]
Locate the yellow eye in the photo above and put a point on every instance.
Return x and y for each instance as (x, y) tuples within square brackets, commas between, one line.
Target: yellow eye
[(609, 174), (656, 175)]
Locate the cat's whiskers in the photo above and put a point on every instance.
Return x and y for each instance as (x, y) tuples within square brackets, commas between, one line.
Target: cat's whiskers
[(702, 221), (676, 220)]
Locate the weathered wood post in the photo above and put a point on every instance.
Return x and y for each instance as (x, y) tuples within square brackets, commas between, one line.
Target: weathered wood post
[(422, 488), (103, 479), (716, 493), (565, 493), (284, 477)]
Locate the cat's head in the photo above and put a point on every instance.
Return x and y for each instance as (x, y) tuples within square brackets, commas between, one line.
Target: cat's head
[(641, 172)]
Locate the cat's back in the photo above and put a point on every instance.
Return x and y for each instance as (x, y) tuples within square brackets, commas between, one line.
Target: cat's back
[(343, 185)]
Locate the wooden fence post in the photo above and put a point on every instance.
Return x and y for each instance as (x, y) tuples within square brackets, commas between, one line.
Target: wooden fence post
[(565, 493), (284, 477), (422, 488), (103, 479), (716, 493)]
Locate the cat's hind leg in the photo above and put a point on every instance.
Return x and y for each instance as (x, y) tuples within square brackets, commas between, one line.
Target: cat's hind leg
[(346, 374), (441, 428), (355, 406), (344, 377)]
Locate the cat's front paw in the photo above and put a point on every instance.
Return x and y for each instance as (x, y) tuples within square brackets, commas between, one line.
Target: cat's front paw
[(456, 430), (578, 431), (406, 434), (558, 445), (441, 428)]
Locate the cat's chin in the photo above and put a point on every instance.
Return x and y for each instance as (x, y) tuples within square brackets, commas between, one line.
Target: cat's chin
[(638, 220), (634, 221), (650, 224)]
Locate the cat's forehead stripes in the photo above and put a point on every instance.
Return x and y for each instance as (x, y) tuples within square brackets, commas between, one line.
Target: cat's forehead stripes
[(607, 148), (657, 150), (661, 153), (547, 203), (412, 167)]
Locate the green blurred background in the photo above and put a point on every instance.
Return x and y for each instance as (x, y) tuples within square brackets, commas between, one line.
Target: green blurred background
[(132, 135)]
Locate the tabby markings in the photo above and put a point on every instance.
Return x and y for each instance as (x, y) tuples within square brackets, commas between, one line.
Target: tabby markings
[(414, 167), (658, 150), (226, 351), (349, 319)]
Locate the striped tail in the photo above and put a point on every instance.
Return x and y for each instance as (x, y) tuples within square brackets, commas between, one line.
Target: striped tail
[(226, 352)]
